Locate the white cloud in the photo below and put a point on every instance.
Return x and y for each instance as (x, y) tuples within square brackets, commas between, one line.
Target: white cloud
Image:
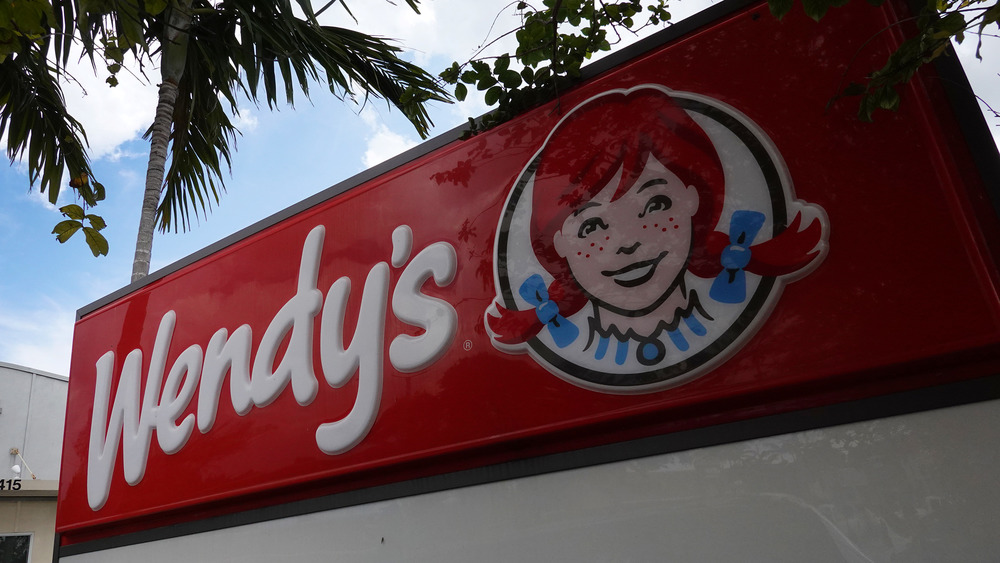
[(110, 116), (449, 29), (384, 144), (245, 122), (36, 196), (370, 116), (118, 153), (41, 338), (130, 179)]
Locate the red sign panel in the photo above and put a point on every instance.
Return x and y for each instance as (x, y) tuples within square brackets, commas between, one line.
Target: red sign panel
[(686, 239)]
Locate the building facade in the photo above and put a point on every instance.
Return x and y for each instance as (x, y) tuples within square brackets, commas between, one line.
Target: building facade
[(32, 413)]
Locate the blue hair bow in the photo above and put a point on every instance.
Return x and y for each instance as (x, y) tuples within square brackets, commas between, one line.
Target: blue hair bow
[(534, 292), (730, 286)]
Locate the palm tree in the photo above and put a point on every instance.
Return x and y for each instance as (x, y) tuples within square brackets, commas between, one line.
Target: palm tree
[(214, 51), (210, 53)]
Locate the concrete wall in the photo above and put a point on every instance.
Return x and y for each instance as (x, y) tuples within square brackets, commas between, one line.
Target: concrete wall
[(31, 515), (32, 413)]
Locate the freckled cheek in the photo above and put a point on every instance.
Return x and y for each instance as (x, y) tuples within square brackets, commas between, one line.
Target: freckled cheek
[(672, 222), (661, 228)]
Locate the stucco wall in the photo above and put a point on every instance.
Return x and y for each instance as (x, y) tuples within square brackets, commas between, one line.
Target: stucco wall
[(32, 414), (36, 516)]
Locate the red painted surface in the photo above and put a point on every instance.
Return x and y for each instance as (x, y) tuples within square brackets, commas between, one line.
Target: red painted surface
[(906, 297)]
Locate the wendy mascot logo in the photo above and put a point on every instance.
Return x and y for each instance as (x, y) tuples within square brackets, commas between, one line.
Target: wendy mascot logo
[(646, 241)]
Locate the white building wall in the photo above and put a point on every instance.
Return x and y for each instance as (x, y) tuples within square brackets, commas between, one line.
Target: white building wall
[(916, 488), (32, 414)]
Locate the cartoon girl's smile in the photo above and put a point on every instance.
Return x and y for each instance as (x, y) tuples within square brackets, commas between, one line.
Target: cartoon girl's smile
[(637, 273)]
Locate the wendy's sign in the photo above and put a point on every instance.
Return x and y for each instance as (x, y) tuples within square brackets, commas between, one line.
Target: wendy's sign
[(257, 377), (680, 241)]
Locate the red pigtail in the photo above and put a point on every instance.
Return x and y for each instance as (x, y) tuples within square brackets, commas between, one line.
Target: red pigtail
[(513, 326), (790, 251), (516, 326)]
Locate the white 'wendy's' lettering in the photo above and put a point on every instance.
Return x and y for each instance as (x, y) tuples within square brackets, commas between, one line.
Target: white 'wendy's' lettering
[(132, 418)]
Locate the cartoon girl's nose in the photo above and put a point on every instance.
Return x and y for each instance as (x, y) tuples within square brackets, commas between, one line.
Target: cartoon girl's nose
[(628, 249)]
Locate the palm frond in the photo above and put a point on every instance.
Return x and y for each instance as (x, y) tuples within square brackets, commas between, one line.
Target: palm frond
[(263, 51), (275, 43), (33, 114)]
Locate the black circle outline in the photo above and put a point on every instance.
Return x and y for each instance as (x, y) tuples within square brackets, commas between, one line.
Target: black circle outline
[(757, 301)]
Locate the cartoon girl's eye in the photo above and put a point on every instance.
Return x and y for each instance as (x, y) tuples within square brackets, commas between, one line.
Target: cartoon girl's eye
[(658, 202), (591, 225)]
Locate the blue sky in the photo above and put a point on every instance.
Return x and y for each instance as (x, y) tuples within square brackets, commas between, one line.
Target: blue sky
[(282, 158)]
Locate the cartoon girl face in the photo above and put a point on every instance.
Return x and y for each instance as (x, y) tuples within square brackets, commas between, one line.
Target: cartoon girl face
[(629, 254), (616, 265)]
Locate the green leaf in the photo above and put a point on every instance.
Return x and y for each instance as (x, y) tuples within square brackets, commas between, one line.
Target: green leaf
[(779, 7), (481, 68), (450, 74), (866, 107), (510, 79), (815, 9), (951, 24), (991, 15), (461, 91), (155, 7), (493, 95), (65, 229), (114, 54), (96, 241), (889, 99), (97, 222), (486, 82), (502, 63), (854, 89), (73, 211)]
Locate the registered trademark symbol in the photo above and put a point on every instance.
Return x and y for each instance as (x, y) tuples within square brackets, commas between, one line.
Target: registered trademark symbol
[(467, 345)]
